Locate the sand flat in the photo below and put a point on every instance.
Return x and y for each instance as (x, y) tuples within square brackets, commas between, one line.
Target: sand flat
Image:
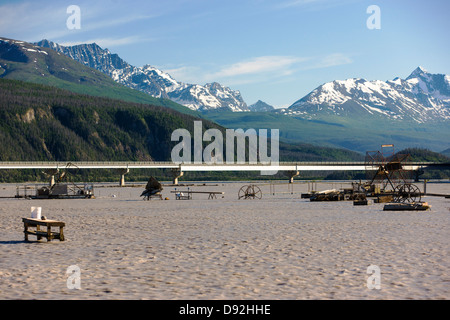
[(279, 247)]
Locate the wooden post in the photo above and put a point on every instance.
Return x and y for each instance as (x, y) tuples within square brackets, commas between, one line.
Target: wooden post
[(49, 233), (61, 233), (25, 227), (38, 228)]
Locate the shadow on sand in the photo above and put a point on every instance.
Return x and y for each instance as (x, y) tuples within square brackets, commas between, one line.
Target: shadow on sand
[(14, 242)]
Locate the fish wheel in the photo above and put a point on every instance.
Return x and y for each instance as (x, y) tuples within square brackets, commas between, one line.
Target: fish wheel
[(249, 192), (407, 193)]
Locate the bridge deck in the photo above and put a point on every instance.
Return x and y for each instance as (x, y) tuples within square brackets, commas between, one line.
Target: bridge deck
[(281, 166)]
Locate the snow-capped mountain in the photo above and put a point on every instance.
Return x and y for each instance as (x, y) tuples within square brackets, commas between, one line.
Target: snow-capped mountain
[(152, 80), (421, 97)]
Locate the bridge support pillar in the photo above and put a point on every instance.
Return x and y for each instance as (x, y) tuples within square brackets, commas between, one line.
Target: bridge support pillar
[(176, 173), (417, 174), (122, 173), (52, 173), (291, 175)]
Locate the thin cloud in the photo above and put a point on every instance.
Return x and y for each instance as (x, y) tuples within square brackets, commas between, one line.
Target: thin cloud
[(271, 67), (109, 42), (257, 69), (331, 60), (314, 5), (279, 64), (253, 70), (184, 74), (297, 3), (107, 22), (32, 21)]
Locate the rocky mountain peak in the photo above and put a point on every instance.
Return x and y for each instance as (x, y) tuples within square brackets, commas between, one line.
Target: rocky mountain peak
[(417, 72), (261, 106)]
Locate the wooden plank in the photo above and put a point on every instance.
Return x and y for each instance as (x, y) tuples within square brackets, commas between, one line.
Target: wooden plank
[(45, 234), (34, 222), (204, 192), (37, 233)]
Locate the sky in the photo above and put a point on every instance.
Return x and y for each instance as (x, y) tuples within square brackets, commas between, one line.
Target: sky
[(274, 51)]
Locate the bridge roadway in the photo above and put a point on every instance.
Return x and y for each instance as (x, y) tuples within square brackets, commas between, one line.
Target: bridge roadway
[(281, 166), (290, 169)]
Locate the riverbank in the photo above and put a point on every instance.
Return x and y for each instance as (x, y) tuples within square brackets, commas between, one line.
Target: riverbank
[(278, 247)]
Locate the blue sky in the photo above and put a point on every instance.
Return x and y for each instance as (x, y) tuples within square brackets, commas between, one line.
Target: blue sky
[(275, 51)]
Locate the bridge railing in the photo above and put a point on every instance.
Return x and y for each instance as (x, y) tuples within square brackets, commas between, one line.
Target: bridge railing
[(134, 163)]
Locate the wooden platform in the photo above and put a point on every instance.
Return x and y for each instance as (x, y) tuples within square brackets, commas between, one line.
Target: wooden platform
[(419, 206), (48, 234)]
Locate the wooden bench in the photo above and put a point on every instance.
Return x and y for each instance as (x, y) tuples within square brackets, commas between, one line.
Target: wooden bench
[(187, 195), (37, 223)]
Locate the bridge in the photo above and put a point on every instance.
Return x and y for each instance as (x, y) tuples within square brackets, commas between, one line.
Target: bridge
[(291, 169)]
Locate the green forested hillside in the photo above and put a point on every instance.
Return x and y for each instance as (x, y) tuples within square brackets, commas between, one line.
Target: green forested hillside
[(45, 123), (425, 155), (341, 132), (417, 154)]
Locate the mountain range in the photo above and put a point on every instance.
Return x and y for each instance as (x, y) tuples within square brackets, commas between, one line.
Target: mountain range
[(151, 80), (354, 114), (421, 97), (20, 60)]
